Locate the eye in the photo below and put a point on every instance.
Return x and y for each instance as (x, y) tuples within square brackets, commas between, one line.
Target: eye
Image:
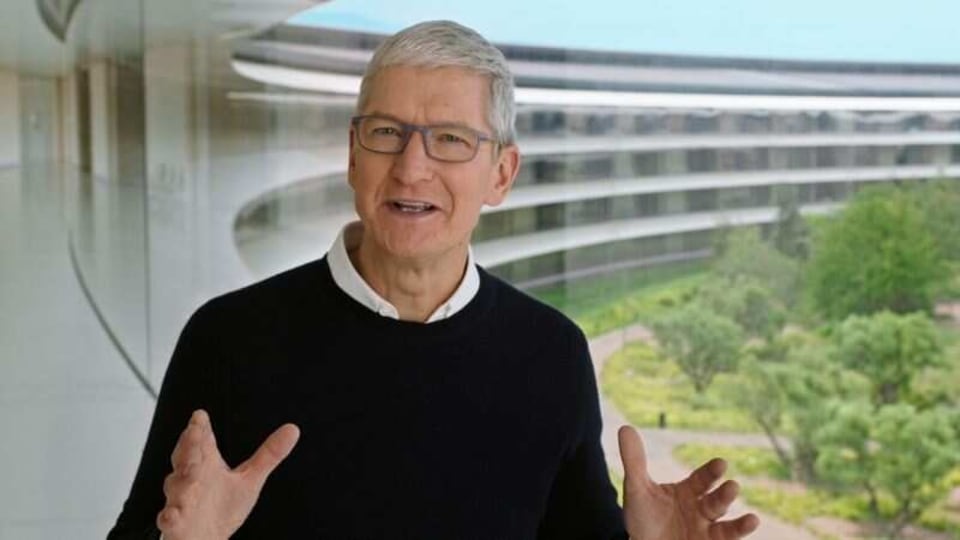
[(451, 138), (386, 131)]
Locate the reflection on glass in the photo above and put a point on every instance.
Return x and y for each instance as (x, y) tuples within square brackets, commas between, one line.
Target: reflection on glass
[(816, 241)]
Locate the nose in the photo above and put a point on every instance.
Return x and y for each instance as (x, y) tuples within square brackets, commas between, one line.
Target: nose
[(413, 164)]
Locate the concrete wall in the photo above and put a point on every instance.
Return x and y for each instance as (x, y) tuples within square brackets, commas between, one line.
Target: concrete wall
[(169, 121), (40, 120), (68, 119), (9, 119), (101, 114)]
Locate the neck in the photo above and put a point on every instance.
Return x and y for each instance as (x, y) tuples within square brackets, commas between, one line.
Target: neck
[(415, 287)]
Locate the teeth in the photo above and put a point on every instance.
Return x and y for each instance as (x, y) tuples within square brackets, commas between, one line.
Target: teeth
[(412, 206)]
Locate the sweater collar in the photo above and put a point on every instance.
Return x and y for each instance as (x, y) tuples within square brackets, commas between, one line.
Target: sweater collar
[(350, 281)]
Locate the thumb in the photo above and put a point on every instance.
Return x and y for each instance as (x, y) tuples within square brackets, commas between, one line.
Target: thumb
[(273, 451), (633, 455), (208, 440)]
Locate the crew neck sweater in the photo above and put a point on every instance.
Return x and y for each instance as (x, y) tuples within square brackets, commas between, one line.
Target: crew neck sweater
[(483, 425)]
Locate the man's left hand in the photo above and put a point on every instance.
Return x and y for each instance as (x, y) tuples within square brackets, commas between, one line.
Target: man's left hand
[(687, 510)]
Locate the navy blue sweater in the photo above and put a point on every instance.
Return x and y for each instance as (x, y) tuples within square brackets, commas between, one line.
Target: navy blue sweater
[(485, 425)]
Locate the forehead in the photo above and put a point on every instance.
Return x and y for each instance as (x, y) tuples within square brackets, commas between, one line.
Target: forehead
[(430, 95)]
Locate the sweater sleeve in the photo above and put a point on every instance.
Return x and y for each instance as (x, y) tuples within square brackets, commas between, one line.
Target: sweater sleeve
[(583, 502), (191, 382)]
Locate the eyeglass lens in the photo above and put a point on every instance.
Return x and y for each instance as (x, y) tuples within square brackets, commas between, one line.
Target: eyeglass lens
[(446, 142)]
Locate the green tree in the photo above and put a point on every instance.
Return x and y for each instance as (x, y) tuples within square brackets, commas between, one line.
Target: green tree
[(889, 349), (897, 450), (844, 451), (757, 392), (746, 258), (722, 234), (939, 205), (790, 234), (811, 384), (878, 254), (747, 303), (702, 342), (793, 399), (918, 450)]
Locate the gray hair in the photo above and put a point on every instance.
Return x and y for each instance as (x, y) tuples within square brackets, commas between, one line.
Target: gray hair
[(436, 44)]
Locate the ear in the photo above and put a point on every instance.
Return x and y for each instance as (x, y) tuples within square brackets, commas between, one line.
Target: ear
[(503, 174), (351, 157)]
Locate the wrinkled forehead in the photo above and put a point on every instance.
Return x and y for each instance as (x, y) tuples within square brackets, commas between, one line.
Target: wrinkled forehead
[(429, 95)]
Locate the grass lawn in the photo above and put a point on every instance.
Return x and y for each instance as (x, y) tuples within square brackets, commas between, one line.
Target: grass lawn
[(741, 460), (764, 486), (642, 384), (613, 301), (617, 482)]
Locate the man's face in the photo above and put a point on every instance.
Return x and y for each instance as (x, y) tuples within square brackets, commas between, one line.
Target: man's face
[(386, 186)]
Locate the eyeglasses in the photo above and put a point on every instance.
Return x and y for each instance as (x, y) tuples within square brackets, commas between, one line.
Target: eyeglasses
[(446, 142)]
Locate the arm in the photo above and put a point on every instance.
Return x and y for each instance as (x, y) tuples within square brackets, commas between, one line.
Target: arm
[(192, 381), (583, 502)]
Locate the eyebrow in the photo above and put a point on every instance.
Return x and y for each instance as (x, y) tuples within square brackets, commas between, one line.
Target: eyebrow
[(437, 124)]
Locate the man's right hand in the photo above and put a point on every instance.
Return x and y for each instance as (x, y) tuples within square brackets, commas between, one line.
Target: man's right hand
[(206, 500)]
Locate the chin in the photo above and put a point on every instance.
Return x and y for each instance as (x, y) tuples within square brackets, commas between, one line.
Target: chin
[(403, 246), (419, 249)]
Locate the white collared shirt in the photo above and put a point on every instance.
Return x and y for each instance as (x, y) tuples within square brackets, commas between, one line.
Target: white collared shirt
[(352, 283)]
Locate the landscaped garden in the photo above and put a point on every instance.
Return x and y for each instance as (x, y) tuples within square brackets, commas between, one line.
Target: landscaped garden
[(837, 340)]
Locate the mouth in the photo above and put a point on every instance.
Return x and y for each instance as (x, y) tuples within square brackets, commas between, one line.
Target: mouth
[(411, 207)]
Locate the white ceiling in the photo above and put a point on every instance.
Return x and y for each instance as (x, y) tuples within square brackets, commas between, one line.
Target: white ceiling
[(26, 45), (124, 27)]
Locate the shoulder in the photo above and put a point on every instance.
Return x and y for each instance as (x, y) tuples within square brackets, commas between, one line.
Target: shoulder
[(289, 293), (552, 344), (518, 309)]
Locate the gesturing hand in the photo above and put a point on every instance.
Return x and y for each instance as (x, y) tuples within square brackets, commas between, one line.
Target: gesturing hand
[(686, 510), (206, 500)]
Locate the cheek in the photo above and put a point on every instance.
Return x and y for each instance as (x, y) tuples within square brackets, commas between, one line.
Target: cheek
[(470, 194), (363, 182), (467, 205)]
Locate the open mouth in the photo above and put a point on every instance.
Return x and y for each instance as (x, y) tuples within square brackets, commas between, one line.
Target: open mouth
[(412, 207)]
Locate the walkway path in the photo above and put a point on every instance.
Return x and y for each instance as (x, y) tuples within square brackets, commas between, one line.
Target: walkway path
[(949, 310), (660, 443)]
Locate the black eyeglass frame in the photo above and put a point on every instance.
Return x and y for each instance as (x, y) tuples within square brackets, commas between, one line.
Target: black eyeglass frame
[(425, 131)]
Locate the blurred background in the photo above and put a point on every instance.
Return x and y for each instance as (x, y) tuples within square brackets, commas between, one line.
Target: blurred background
[(752, 210)]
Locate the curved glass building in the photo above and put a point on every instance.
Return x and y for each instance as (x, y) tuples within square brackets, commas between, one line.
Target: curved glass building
[(154, 154)]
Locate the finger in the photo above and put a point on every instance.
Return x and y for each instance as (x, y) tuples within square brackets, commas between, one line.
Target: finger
[(734, 529), (633, 454), (715, 504), (168, 519), (170, 487), (175, 486), (207, 439), (704, 477), (187, 450), (273, 450)]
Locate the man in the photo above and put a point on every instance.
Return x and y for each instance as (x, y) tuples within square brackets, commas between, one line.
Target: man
[(416, 395)]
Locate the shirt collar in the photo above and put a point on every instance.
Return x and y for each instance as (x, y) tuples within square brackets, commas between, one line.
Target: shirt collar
[(351, 282)]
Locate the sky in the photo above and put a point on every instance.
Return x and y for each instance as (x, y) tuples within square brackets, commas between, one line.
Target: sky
[(915, 31)]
